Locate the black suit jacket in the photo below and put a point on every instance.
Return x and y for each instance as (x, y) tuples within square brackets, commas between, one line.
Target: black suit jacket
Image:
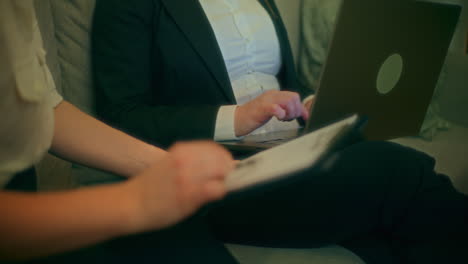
[(159, 72)]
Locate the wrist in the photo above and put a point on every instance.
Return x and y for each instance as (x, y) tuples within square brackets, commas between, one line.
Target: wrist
[(148, 155), (132, 209)]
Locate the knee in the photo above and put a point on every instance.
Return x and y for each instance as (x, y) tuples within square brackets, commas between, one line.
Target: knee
[(380, 158), (391, 153)]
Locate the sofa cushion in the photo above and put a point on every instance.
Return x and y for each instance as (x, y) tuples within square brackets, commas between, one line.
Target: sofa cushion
[(289, 10), (47, 28), (454, 97), (263, 255), (72, 19)]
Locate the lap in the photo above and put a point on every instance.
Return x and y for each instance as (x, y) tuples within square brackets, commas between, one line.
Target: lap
[(342, 199)]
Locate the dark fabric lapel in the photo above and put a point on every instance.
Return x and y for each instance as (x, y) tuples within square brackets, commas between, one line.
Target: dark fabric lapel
[(192, 21)]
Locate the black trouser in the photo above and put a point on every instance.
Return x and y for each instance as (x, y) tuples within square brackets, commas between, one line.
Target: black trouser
[(381, 200)]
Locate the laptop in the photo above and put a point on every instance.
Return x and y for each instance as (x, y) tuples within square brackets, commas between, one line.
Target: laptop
[(384, 62)]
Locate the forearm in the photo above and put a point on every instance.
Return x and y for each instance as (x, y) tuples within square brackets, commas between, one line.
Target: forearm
[(83, 139), (35, 225)]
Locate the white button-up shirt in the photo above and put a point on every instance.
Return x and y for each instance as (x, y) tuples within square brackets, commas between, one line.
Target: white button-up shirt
[(252, 55)]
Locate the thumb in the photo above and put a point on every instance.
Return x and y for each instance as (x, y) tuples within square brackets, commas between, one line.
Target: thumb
[(305, 113)]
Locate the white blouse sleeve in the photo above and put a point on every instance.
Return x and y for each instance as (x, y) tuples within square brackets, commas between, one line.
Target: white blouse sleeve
[(27, 91)]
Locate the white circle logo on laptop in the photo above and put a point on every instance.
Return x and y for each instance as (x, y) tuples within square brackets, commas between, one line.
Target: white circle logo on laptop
[(389, 74)]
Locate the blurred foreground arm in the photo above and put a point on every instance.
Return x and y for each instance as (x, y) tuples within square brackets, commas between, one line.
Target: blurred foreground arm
[(34, 225)]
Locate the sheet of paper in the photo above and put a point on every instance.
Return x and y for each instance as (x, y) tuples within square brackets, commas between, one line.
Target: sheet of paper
[(287, 158)]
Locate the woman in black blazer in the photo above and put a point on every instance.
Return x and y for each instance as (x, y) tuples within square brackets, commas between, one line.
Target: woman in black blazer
[(159, 71), (160, 75)]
